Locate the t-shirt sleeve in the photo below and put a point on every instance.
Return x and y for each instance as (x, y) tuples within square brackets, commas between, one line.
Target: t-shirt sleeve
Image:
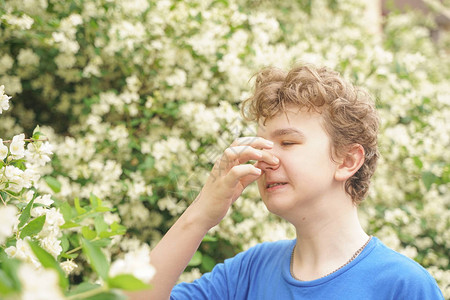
[(211, 285), (220, 283), (418, 284)]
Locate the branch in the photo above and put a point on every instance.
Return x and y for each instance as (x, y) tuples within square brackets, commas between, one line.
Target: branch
[(28, 140)]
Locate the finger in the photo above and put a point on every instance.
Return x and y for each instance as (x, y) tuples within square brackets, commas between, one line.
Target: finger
[(269, 158), (238, 155), (254, 141), (246, 180), (240, 171)]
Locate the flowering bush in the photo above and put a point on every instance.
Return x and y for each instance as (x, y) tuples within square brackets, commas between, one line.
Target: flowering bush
[(139, 97), (41, 239)]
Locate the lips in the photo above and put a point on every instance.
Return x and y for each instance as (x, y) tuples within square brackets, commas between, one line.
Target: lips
[(272, 185)]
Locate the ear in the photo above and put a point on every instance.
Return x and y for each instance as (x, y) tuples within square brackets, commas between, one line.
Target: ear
[(351, 162)]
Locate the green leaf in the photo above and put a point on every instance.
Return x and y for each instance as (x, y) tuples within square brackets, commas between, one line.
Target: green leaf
[(65, 243), (111, 295), (69, 256), (102, 209), (47, 261), (127, 282), (209, 238), (53, 183), (418, 162), (78, 208), (96, 258), (6, 284), (66, 211), (88, 233), (9, 268), (103, 242), (81, 288), (25, 216), (34, 227), (3, 195), (36, 133), (196, 259), (208, 263), (69, 224), (118, 229), (95, 201), (428, 178)]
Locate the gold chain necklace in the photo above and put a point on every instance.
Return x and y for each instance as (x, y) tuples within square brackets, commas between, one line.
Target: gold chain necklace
[(349, 261)]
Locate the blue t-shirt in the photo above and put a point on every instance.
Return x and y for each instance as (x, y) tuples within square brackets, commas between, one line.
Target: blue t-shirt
[(263, 272)]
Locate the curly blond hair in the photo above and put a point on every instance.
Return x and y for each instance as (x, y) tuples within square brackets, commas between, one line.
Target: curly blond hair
[(348, 113)]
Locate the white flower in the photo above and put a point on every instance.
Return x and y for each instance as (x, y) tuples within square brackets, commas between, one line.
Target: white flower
[(39, 155), (28, 177), (41, 284), (53, 220), (8, 217), (52, 245), (17, 147), (134, 7), (3, 150), (65, 60), (6, 63), (45, 200), (135, 262), (68, 266), (27, 57), (29, 196), (13, 85), (4, 99), (23, 252), (133, 83), (15, 177), (23, 22)]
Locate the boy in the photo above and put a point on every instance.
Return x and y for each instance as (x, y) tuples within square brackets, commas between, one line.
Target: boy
[(315, 152)]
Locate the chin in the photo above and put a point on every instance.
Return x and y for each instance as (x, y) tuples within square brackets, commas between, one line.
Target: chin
[(278, 206)]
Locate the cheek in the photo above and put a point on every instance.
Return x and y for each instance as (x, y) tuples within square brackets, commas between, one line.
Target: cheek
[(260, 185)]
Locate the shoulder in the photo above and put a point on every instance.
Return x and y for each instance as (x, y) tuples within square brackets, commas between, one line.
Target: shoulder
[(400, 271), (391, 260)]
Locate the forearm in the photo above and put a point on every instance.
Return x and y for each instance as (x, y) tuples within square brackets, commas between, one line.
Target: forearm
[(173, 253), (229, 177)]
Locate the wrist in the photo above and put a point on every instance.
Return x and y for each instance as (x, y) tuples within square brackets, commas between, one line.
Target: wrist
[(194, 219)]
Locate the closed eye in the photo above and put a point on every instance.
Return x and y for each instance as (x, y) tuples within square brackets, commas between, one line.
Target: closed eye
[(288, 143)]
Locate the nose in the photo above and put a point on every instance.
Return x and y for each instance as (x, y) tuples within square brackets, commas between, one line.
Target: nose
[(269, 162)]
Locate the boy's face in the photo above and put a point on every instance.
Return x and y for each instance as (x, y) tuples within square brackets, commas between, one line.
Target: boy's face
[(305, 174)]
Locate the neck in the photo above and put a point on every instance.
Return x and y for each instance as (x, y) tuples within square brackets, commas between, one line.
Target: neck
[(327, 237)]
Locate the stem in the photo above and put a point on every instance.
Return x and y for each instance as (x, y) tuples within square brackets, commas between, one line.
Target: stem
[(89, 293), (28, 140), (80, 247), (73, 250), (4, 203), (11, 195)]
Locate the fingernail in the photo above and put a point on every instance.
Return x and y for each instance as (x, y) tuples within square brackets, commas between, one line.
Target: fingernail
[(258, 171), (276, 160), (269, 143), (259, 153)]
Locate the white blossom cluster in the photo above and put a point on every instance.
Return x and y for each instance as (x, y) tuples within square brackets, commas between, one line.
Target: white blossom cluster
[(4, 99), (136, 261), (13, 177)]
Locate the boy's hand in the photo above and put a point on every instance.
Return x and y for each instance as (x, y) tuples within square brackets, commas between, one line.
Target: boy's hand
[(230, 176)]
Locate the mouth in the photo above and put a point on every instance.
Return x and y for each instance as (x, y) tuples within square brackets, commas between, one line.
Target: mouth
[(274, 185)]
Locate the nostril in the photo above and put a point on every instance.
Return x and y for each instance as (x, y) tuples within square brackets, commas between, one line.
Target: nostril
[(265, 166)]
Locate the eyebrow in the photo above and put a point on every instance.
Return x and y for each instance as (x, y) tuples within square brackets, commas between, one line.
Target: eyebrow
[(287, 131)]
